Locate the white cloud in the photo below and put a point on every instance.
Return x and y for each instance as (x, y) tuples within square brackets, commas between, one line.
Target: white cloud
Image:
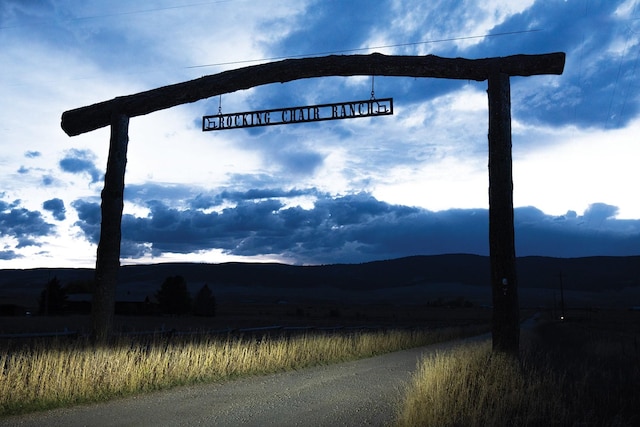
[(431, 153), (574, 168)]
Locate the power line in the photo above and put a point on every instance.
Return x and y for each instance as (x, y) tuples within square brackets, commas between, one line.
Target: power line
[(157, 9), (132, 12), (275, 58)]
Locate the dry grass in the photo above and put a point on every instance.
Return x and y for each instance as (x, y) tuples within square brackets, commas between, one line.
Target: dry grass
[(471, 386), (569, 374), (47, 375)]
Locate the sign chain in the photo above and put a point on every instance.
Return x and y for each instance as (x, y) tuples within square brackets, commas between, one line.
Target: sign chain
[(373, 93)]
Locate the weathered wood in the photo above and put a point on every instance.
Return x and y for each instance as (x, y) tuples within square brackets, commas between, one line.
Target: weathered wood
[(86, 119), (502, 254), (497, 71), (108, 255)]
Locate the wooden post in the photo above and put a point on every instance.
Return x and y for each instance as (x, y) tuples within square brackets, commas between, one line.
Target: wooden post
[(504, 285), (108, 256), (506, 330)]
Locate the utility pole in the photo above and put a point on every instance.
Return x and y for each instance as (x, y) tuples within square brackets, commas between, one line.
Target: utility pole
[(561, 298)]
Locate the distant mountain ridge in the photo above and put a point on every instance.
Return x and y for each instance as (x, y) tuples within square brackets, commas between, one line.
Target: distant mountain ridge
[(582, 274)]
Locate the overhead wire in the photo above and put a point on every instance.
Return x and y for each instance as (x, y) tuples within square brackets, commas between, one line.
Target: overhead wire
[(334, 52), (274, 58), (134, 12)]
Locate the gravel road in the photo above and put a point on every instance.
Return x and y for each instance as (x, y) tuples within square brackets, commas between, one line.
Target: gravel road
[(359, 393)]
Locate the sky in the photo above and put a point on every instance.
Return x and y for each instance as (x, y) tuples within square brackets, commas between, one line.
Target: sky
[(347, 191)]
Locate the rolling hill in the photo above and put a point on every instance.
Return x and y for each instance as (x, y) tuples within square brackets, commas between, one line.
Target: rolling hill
[(396, 279)]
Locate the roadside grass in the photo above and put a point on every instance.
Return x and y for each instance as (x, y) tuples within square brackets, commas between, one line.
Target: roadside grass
[(46, 375), (569, 373)]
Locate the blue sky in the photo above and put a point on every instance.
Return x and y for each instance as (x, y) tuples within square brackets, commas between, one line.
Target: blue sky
[(344, 191)]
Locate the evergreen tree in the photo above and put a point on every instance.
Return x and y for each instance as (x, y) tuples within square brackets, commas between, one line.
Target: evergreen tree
[(173, 296), (204, 303), (53, 298)]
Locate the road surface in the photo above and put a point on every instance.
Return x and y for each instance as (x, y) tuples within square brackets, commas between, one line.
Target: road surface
[(360, 393)]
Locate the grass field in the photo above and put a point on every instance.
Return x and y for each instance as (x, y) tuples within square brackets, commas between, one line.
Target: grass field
[(581, 372), (49, 374)]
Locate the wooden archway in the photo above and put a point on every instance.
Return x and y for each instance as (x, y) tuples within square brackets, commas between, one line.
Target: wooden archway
[(497, 71)]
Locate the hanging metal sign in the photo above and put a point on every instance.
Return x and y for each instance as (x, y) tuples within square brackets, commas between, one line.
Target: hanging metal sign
[(304, 114)]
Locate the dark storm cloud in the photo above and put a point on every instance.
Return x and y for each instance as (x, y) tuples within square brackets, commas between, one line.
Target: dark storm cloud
[(88, 219), (356, 228), (599, 84), (140, 193), (198, 198), (349, 23), (596, 232), (56, 207), (266, 193), (81, 161), (597, 89), (22, 224)]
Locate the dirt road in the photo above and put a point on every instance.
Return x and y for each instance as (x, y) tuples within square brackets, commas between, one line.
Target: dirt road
[(359, 393)]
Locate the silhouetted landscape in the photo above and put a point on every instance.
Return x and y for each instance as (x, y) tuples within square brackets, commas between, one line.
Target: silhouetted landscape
[(251, 303), (586, 282)]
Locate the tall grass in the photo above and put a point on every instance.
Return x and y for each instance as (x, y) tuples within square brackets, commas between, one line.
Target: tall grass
[(48, 375), (567, 375), (471, 386)]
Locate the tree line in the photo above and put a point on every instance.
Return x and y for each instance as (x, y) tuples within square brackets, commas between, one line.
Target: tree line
[(172, 298)]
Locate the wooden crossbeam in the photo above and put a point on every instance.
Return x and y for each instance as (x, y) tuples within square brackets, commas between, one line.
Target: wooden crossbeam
[(92, 117), (116, 112)]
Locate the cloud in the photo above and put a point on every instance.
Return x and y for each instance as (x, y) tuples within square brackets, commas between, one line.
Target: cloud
[(88, 219), (598, 212), (314, 192), (265, 193), (24, 225), (81, 161), (354, 228), (47, 180), (594, 90), (56, 207), (8, 255), (201, 198), (297, 162)]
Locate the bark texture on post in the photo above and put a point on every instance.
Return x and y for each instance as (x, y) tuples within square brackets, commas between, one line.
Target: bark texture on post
[(504, 284), (108, 255)]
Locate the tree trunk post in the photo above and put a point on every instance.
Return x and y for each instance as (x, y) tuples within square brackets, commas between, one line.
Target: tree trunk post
[(108, 254), (116, 112), (504, 285)]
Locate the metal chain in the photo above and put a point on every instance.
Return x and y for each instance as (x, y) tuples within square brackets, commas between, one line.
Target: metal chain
[(373, 94)]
